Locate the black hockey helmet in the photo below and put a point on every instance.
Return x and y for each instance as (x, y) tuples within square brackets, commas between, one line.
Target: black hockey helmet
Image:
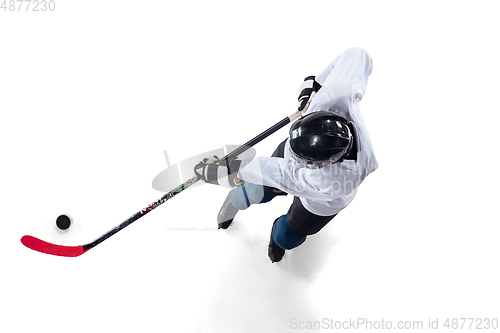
[(320, 138)]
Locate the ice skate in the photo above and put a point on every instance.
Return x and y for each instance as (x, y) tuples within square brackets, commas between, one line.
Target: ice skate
[(275, 252), (227, 212)]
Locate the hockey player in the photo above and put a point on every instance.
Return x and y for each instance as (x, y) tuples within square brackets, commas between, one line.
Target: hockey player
[(323, 161)]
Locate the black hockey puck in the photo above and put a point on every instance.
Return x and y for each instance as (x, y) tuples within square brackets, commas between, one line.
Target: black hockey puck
[(63, 222)]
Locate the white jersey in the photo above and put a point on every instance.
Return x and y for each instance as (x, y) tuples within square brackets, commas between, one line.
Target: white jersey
[(328, 190)]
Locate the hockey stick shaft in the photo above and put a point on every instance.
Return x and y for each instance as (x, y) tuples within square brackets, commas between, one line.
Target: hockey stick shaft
[(269, 131), (141, 213)]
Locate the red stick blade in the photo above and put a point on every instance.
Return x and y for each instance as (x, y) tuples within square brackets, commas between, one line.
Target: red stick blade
[(49, 248)]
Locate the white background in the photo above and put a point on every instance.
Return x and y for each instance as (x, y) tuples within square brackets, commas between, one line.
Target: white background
[(91, 94)]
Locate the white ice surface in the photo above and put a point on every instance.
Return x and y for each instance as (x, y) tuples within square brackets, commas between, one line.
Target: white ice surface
[(91, 95)]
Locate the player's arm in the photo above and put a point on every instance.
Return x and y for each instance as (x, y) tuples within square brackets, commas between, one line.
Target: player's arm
[(306, 89)]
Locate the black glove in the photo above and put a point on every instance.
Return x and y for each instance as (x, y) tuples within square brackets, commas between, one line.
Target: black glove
[(306, 90), (217, 172)]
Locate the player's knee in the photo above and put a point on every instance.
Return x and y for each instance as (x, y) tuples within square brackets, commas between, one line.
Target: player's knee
[(255, 193), (239, 200), (249, 194), (284, 236)]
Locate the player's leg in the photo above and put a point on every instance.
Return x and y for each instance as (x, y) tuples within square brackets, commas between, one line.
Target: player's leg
[(291, 230), (283, 238)]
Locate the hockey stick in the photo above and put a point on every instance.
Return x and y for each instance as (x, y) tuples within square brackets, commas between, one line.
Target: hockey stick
[(74, 251)]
